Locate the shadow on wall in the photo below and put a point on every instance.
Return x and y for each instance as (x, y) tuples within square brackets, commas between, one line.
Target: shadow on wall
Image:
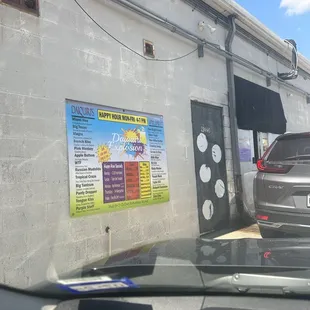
[(248, 197), (244, 212)]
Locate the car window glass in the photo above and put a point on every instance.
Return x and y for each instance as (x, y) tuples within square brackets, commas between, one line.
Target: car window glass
[(284, 149)]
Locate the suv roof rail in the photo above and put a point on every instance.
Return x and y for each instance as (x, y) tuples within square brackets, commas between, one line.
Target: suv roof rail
[(294, 135)]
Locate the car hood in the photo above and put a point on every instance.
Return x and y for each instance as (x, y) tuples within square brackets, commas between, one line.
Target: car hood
[(240, 252), (170, 262)]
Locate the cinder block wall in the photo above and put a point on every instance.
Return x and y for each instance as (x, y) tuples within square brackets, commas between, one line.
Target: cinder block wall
[(296, 109), (62, 54)]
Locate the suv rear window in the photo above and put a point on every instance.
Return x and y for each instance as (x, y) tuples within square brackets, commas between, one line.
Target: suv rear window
[(286, 149)]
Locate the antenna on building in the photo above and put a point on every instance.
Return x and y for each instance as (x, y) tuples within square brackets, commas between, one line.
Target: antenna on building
[(293, 74)]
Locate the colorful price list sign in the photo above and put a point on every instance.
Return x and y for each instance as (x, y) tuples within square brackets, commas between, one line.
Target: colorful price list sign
[(117, 159)]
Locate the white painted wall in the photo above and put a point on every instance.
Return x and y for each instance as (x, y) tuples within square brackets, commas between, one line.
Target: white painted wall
[(62, 54), (296, 109)]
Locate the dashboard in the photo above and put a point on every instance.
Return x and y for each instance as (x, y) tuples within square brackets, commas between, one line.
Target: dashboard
[(11, 300)]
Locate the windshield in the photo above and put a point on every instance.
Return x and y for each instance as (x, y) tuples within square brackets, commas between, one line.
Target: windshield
[(294, 148), (148, 142)]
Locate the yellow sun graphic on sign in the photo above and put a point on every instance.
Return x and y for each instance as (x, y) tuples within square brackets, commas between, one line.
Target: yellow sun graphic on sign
[(130, 135), (103, 153)]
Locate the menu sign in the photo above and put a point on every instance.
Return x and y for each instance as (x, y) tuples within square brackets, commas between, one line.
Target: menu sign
[(117, 159)]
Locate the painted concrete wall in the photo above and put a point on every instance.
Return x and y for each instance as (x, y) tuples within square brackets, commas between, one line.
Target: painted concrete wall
[(296, 109), (295, 106), (62, 55)]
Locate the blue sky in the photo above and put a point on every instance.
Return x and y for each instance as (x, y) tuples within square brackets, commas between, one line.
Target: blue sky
[(290, 19)]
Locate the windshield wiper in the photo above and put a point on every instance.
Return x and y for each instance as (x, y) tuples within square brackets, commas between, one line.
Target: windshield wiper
[(298, 157), (244, 282)]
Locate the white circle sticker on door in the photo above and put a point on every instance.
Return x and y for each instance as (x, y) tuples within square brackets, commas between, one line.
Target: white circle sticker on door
[(207, 209), (219, 188), (205, 173), (207, 250), (216, 153), (202, 142), (221, 259)]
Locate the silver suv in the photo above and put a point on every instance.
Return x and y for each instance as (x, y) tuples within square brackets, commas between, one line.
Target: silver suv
[(282, 187)]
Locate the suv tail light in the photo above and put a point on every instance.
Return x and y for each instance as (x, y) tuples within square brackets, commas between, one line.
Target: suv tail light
[(262, 217), (267, 167)]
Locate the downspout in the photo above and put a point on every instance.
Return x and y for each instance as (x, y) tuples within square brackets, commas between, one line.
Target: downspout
[(232, 115)]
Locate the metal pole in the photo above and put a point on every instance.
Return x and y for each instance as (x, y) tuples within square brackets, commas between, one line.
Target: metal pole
[(232, 114)]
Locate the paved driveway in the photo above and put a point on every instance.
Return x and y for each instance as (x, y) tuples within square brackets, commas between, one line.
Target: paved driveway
[(248, 232)]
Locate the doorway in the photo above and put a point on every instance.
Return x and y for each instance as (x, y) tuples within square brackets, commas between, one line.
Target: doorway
[(210, 167)]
